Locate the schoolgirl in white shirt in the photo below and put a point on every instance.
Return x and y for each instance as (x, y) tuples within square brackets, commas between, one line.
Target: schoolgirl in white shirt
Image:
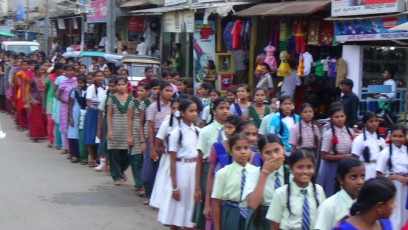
[(369, 144), (183, 154), (393, 163)]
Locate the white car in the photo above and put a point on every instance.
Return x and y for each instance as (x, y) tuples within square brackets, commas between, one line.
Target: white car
[(20, 46)]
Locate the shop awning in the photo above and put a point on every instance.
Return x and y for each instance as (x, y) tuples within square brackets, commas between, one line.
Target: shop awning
[(284, 8), (159, 10), (366, 17), (195, 6), (133, 3)]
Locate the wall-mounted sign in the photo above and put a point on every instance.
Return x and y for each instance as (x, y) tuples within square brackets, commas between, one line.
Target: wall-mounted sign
[(360, 7), (136, 23), (369, 29), (179, 21), (99, 11)]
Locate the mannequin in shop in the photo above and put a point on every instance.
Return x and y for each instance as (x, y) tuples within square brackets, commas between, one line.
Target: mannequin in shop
[(388, 76), (284, 69)]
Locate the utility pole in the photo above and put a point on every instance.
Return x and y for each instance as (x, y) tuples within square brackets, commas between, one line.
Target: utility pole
[(46, 27), (27, 20), (110, 25), (83, 26)]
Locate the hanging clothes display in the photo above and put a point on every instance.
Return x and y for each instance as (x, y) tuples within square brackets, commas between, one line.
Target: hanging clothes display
[(284, 34), (299, 32), (300, 66), (341, 71), (314, 32), (326, 33), (284, 69), (308, 61), (246, 34), (273, 34), (236, 35), (270, 57), (227, 36)]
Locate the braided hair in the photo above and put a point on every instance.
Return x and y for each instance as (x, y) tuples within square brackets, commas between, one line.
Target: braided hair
[(163, 85), (96, 87), (184, 104), (316, 138), (394, 128), (281, 99), (300, 154), (366, 151), (262, 142), (334, 110)]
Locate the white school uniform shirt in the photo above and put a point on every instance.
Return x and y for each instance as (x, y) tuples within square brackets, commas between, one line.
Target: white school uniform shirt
[(252, 180), (373, 144), (399, 160), (187, 148), (165, 129), (227, 182), (207, 114), (333, 210), (278, 211), (93, 97), (263, 128)]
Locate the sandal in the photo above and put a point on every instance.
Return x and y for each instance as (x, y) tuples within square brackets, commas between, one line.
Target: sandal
[(140, 192), (118, 183), (146, 202), (84, 163), (124, 177), (50, 145), (75, 160), (69, 157), (92, 164)]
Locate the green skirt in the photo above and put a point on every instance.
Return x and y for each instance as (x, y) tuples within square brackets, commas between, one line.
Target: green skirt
[(231, 218), (198, 217), (263, 223)]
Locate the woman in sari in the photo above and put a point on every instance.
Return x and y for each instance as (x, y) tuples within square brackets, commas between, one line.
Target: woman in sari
[(37, 119)]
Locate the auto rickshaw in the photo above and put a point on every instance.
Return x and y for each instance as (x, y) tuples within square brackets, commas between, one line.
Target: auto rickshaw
[(136, 65)]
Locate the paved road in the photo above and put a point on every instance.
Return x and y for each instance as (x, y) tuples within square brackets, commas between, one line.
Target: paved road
[(41, 190)]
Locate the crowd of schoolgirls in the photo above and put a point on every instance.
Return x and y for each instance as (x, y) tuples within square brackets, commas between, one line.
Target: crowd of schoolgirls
[(215, 162)]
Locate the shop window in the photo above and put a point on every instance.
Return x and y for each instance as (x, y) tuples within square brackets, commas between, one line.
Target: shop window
[(378, 59)]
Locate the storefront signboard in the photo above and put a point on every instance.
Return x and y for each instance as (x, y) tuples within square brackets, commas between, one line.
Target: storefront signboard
[(136, 23), (362, 7), (203, 48), (99, 12), (179, 21), (173, 2), (369, 29)]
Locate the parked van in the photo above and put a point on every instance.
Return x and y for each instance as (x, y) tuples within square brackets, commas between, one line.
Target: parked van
[(20, 46)]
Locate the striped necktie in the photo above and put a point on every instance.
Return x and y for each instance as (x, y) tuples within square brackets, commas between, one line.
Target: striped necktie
[(219, 137), (277, 181), (305, 212), (243, 211)]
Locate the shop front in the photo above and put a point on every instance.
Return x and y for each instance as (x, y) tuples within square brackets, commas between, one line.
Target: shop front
[(372, 48), (298, 44)]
